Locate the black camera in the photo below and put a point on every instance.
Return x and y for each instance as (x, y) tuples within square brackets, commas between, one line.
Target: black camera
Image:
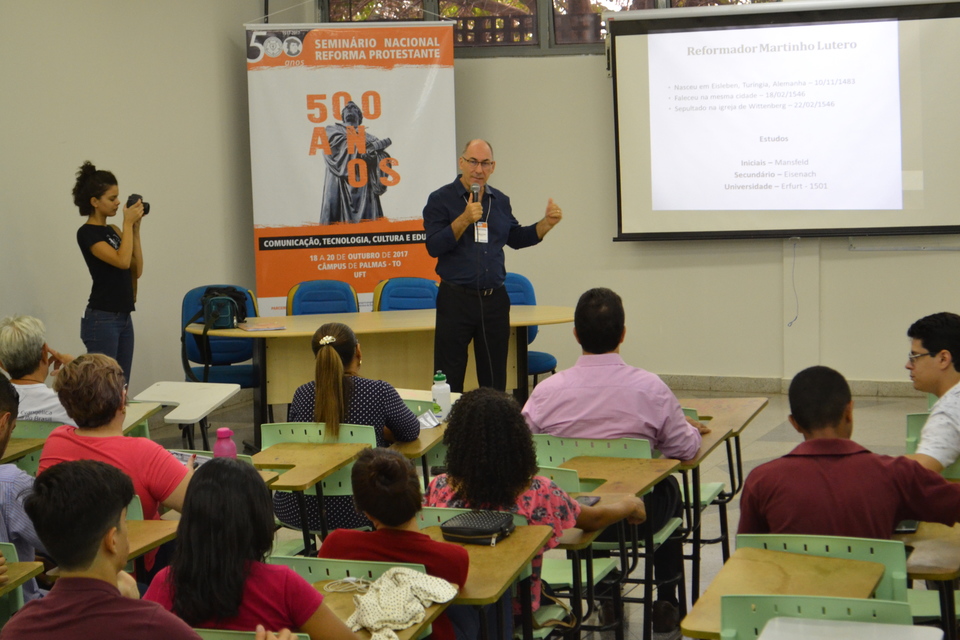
[(132, 200)]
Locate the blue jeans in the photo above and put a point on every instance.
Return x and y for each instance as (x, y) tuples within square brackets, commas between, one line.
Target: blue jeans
[(109, 333)]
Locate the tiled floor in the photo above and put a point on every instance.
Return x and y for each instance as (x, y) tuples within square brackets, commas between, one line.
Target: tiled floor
[(878, 425)]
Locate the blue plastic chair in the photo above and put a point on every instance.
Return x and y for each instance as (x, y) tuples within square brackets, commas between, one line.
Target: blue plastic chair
[(405, 293), (321, 296), (521, 293), (225, 353)]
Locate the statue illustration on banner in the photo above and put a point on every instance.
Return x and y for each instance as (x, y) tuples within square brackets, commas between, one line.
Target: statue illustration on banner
[(347, 197)]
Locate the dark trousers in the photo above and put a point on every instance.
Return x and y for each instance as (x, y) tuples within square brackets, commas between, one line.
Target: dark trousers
[(662, 504), (463, 316)]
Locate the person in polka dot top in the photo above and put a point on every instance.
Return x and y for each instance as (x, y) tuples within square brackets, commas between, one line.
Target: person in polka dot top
[(339, 395)]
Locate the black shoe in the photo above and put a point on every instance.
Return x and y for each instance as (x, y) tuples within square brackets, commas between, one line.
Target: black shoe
[(666, 620)]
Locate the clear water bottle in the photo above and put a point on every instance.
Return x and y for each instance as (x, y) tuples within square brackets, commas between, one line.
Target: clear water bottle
[(224, 447), (441, 396)]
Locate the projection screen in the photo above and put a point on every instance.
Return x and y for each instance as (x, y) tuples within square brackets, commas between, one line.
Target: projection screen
[(787, 119)]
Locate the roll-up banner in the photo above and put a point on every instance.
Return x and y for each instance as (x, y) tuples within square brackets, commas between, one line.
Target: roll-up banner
[(351, 128)]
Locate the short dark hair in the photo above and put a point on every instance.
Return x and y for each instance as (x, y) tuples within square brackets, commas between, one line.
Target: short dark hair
[(226, 523), (491, 458), (9, 398), (818, 397), (599, 320), (91, 183), (73, 505), (939, 332), (386, 486)]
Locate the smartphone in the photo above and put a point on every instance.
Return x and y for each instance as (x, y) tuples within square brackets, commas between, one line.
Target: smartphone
[(588, 500), (907, 526)]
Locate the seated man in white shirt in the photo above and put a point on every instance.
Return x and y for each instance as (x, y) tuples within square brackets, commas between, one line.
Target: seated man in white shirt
[(934, 366), (602, 396), (28, 360)]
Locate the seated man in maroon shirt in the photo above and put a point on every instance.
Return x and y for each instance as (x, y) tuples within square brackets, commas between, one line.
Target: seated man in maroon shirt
[(830, 485), (79, 511)]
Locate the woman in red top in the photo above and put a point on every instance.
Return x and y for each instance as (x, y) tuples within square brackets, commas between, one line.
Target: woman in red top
[(218, 579), (93, 391), (387, 490)]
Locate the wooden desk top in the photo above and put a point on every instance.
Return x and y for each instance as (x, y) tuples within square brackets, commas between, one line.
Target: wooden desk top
[(381, 322), (308, 463), (342, 606), (20, 447), (936, 552), (494, 569), (429, 438), (732, 413), (146, 535), (137, 412), (708, 443), (18, 573), (760, 571), (633, 476)]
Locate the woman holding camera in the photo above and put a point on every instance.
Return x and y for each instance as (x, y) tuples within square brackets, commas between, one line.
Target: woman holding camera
[(115, 260)]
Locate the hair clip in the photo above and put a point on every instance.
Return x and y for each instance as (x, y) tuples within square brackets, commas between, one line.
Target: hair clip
[(325, 340)]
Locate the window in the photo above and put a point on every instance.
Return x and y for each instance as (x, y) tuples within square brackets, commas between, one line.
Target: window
[(508, 27)]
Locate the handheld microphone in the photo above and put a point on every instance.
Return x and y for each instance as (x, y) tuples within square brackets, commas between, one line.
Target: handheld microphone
[(475, 190)]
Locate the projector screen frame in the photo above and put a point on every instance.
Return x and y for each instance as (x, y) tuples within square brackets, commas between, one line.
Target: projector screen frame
[(714, 18)]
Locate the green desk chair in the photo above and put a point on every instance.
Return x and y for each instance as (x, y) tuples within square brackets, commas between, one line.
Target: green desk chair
[(553, 450), (915, 422), (742, 617), (338, 483), (13, 601), (924, 604), (890, 553), (32, 429), (712, 493), (220, 634), (317, 569), (559, 573)]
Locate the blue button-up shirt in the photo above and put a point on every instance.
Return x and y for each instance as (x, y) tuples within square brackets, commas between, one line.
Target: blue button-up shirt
[(467, 262)]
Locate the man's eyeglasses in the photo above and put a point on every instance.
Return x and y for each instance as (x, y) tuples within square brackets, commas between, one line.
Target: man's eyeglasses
[(912, 357), (486, 165)]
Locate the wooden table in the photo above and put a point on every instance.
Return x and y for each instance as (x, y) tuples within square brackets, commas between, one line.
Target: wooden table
[(144, 536), (936, 557), (761, 571), (728, 417), (306, 464), (493, 569), (634, 476), (135, 419), (398, 346), (147, 535), (21, 447), (342, 606), (18, 573)]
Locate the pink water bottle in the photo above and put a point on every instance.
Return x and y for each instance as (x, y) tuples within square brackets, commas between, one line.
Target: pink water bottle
[(224, 447)]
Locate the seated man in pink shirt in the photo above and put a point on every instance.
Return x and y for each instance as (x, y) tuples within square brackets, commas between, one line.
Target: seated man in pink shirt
[(601, 396), (829, 484)]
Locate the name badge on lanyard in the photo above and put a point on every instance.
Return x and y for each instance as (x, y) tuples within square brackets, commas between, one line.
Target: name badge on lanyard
[(480, 232)]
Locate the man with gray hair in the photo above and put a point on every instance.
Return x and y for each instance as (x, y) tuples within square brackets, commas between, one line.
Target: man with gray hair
[(28, 360)]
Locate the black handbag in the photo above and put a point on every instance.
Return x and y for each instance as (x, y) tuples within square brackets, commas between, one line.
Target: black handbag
[(478, 527)]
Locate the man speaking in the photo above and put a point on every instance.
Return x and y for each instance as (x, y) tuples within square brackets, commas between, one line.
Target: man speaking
[(467, 223)]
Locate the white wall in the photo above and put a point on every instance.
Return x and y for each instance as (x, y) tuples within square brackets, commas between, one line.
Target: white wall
[(156, 92)]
